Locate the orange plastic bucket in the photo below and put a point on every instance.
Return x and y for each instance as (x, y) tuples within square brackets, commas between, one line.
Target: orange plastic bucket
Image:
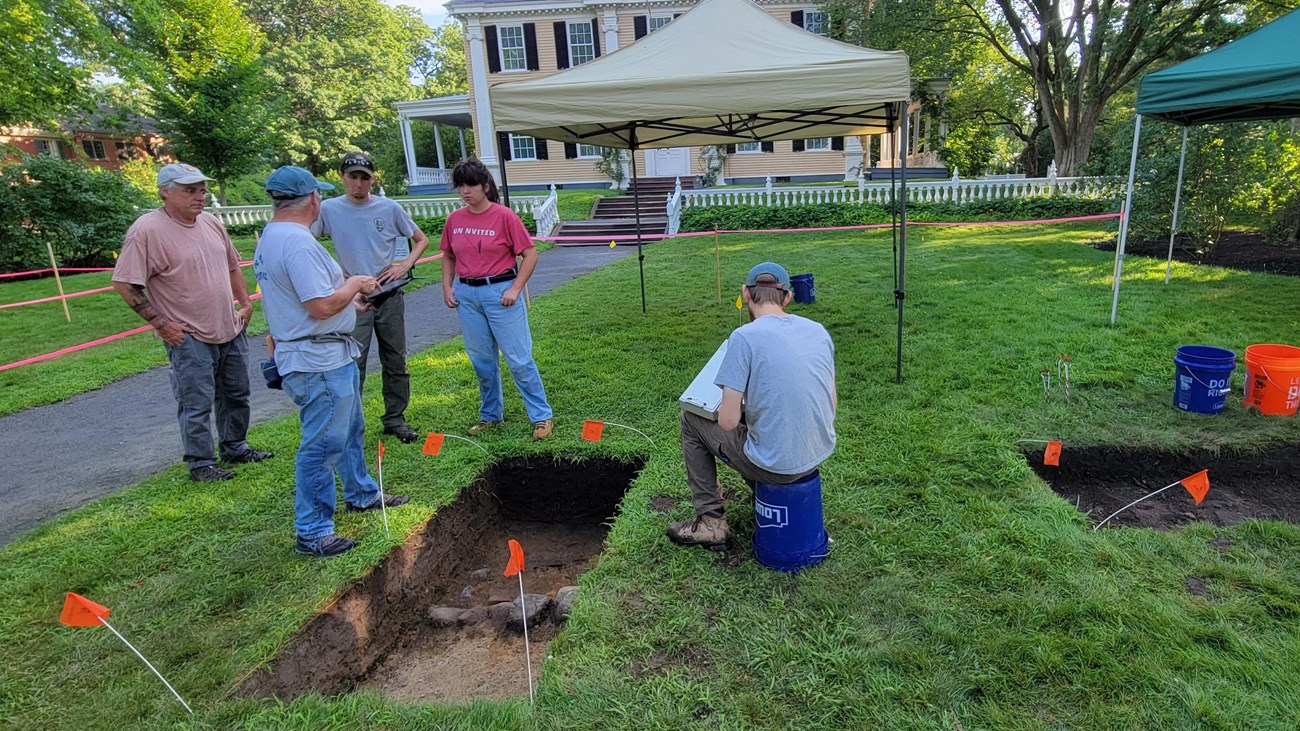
[(1273, 379)]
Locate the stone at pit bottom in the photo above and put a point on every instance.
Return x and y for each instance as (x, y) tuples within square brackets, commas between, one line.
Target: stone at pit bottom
[(443, 616), (564, 599)]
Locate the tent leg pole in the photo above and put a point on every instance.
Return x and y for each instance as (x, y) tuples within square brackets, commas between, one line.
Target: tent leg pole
[(901, 287), (1123, 226), (1178, 196), (636, 198), (503, 140)]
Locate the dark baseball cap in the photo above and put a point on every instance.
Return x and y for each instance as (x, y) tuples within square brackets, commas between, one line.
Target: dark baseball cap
[(292, 181), (357, 161)]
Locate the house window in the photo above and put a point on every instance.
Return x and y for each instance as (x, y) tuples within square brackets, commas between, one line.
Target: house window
[(657, 22), (817, 143), (94, 149), (514, 57), (523, 148), (818, 23), (48, 148), (125, 150), (582, 42), (748, 147), (590, 151)]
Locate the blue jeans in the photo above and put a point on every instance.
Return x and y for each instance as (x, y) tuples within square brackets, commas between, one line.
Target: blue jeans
[(332, 432), (489, 327), (205, 375)]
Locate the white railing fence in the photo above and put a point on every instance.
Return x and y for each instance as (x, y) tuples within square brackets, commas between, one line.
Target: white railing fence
[(431, 176), (930, 191), (546, 213), (675, 209), (418, 207)]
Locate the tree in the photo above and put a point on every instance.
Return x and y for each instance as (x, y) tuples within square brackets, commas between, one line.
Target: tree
[(48, 49), (207, 86), (337, 69)]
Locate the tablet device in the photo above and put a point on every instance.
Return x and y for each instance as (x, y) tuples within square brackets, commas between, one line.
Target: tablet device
[(377, 297), (703, 397)]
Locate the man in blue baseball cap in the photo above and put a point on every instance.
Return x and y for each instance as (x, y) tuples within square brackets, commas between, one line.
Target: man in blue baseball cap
[(311, 309), (776, 423)]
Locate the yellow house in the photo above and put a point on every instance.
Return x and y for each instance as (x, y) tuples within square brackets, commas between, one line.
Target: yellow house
[(510, 40)]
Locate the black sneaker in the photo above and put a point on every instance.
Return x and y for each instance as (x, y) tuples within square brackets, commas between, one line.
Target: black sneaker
[(389, 501), (404, 433), (325, 546), (210, 473), (248, 456)]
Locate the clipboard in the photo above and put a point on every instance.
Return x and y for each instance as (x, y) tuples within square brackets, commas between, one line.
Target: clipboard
[(703, 397)]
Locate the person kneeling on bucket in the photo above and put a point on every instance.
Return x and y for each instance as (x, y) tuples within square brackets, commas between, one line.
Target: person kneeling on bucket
[(776, 423)]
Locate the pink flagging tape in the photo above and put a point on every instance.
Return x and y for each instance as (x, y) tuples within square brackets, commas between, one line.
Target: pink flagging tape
[(119, 336), (656, 237), (56, 297), (10, 275)]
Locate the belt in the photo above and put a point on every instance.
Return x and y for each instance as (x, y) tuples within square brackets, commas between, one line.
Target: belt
[(483, 281)]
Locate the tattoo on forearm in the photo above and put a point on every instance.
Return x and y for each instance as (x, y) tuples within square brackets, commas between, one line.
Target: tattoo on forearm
[(140, 303)]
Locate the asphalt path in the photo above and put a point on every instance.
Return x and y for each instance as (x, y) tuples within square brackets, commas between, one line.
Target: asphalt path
[(118, 435)]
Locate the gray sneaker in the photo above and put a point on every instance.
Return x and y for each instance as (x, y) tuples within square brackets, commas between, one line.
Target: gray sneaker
[(705, 531), (326, 546)]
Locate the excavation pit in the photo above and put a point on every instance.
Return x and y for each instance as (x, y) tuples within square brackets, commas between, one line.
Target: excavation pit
[(381, 633), (1099, 481)]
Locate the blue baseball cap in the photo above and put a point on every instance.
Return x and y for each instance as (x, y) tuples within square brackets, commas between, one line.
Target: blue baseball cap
[(777, 276), (292, 181)]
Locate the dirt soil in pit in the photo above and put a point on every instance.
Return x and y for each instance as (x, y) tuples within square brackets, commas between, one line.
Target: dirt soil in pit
[(1263, 485), (1246, 250), (377, 636)]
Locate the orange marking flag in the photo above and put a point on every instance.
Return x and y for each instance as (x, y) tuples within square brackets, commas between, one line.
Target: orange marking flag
[(78, 611), (593, 430), (1052, 455), (381, 448), (433, 444), (1198, 484), (516, 563)]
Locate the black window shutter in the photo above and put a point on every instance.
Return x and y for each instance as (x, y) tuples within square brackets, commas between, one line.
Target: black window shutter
[(731, 149), (561, 45), (543, 153), (493, 49), (639, 27), (767, 147), (676, 15), (595, 35), (796, 17), (530, 46), (798, 145), (506, 145), (570, 151), (837, 143)]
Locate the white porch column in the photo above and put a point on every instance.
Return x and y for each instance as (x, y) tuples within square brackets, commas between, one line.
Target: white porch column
[(852, 157), (484, 129), (610, 26), (437, 142), (461, 132), (408, 147)]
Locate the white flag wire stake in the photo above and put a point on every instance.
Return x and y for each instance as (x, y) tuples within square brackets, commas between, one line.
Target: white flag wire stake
[(1135, 502), (147, 664), (471, 441), (638, 431), (528, 652)]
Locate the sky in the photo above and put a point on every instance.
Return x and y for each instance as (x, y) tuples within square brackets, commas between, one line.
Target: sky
[(433, 11)]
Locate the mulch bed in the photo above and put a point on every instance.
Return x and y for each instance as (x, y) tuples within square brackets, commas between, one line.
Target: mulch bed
[(1245, 250)]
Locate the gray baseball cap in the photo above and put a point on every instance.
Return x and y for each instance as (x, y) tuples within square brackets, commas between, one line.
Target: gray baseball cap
[(179, 172), (770, 269)]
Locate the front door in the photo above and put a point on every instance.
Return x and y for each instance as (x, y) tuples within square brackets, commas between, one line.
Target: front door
[(668, 162)]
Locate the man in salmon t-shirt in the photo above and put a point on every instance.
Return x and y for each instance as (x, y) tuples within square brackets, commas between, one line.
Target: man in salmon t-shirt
[(179, 271)]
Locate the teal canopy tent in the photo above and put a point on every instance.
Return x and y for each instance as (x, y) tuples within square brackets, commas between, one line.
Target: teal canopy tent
[(1254, 78)]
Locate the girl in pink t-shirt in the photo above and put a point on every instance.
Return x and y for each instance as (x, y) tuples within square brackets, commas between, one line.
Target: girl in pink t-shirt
[(482, 281)]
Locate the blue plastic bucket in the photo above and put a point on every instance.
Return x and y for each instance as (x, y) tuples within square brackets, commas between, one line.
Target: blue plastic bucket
[(804, 291), (1202, 378), (789, 533)]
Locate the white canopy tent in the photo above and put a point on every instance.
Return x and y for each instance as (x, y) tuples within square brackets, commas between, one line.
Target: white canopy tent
[(724, 72)]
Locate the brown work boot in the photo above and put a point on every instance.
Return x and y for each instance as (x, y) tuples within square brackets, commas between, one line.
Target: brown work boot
[(542, 429), (705, 531), (481, 426)]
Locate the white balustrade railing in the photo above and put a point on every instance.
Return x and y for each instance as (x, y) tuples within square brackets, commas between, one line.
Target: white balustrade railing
[(929, 191), (417, 207), (431, 176), (546, 213), (675, 209)]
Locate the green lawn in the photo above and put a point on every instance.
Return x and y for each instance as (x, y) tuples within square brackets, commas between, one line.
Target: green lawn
[(962, 593)]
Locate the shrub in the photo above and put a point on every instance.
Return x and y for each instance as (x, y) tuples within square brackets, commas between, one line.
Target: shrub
[(83, 213), (849, 214)]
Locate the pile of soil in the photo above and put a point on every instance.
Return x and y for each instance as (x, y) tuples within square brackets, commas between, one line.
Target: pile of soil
[(1245, 250)]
